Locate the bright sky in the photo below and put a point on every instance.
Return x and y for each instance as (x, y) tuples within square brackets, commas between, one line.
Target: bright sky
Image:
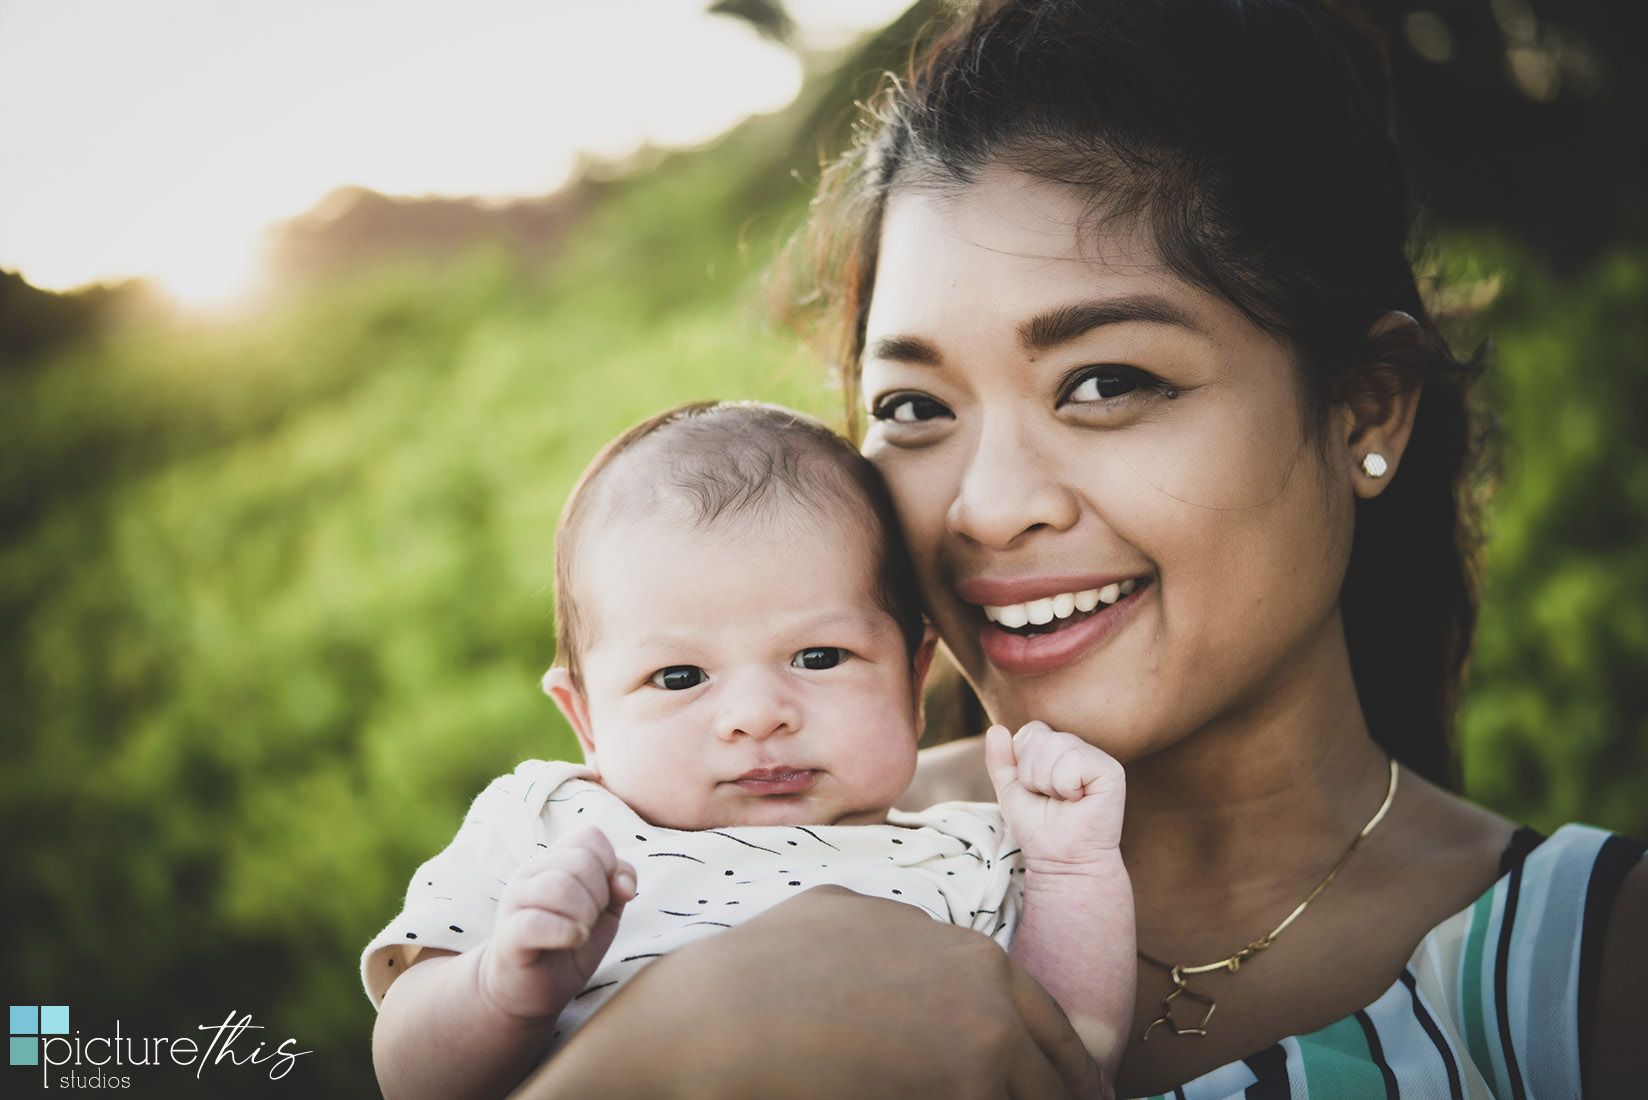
[(159, 137)]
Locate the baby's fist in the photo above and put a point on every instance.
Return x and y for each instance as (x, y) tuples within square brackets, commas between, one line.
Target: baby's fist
[(556, 919), (1061, 796)]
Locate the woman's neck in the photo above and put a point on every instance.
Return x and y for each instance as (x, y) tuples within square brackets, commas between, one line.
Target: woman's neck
[(1250, 810)]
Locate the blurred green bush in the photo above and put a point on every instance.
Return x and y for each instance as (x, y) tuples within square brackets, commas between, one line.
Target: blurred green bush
[(277, 593)]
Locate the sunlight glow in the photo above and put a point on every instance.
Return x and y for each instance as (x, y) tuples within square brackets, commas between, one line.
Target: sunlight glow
[(160, 137)]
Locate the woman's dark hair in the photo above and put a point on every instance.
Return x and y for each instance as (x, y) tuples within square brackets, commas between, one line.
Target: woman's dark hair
[(1254, 139)]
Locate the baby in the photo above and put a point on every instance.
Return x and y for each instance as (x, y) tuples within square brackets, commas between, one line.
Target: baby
[(740, 653)]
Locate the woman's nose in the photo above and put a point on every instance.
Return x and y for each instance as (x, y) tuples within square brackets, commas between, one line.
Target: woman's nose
[(1009, 487), (756, 705)]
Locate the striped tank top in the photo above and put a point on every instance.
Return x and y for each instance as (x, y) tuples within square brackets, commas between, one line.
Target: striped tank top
[(1496, 1002)]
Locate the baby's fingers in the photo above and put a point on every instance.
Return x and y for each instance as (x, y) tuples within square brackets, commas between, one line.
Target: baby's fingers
[(579, 877), (999, 760), (1062, 765), (526, 932)]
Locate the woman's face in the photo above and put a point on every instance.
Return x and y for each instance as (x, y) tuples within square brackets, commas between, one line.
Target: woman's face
[(1120, 523)]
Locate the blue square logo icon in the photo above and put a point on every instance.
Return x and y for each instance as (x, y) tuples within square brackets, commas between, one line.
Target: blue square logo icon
[(54, 1019), (25, 1020), (25, 1050)]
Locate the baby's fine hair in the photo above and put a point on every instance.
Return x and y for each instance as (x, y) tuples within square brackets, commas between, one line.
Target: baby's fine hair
[(710, 463)]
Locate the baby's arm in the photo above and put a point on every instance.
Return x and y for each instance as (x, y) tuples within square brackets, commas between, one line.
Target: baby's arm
[(474, 1024), (1062, 801)]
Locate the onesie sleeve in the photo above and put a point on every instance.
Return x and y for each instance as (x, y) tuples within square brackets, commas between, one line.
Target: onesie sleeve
[(982, 879), (452, 900)]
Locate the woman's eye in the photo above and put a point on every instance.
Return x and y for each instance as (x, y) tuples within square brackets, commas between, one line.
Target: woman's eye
[(819, 656), (678, 677), (907, 408), (1100, 383)]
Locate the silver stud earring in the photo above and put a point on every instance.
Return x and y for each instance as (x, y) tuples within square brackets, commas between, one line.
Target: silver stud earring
[(1374, 464)]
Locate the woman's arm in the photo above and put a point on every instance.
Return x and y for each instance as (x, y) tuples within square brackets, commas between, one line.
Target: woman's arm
[(1617, 1064), (828, 995)]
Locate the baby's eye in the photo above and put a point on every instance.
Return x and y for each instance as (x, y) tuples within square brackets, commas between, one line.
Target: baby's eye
[(678, 677), (907, 408), (819, 656), (1099, 383)]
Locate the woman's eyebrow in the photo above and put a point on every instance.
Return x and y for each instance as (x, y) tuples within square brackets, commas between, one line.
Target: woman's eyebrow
[(1067, 323), (904, 349), (1050, 329)]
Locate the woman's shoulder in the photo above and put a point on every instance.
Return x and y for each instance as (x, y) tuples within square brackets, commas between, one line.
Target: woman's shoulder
[(1529, 990)]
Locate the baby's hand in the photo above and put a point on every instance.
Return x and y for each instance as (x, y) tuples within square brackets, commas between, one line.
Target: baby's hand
[(1061, 797), (556, 919)]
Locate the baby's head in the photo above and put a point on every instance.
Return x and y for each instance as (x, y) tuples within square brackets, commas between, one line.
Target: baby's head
[(739, 634)]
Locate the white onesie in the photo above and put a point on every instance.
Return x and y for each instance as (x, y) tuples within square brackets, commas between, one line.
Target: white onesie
[(953, 861)]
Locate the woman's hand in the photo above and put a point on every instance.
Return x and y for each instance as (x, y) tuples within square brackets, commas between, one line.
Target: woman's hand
[(830, 994)]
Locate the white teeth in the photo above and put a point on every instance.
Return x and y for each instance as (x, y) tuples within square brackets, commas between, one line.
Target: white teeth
[(1043, 611), (1012, 616)]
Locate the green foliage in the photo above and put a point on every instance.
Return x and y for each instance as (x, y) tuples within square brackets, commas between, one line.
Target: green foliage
[(277, 593), (278, 597), (1556, 720)]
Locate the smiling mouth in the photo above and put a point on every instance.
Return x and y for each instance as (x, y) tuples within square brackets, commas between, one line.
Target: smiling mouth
[(1053, 613)]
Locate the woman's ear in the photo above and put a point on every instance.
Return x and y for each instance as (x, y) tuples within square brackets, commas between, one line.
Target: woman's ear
[(559, 686), (1376, 417)]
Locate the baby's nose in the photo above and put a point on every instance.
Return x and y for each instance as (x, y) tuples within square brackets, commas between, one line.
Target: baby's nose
[(758, 707)]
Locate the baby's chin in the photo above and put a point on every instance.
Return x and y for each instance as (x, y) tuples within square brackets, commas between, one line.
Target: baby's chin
[(790, 811), (795, 811)]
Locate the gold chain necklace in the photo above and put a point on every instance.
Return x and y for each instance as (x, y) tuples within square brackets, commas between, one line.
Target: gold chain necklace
[(1233, 963)]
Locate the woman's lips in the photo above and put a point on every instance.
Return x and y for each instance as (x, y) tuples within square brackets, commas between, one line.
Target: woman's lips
[(1064, 639), (783, 780)]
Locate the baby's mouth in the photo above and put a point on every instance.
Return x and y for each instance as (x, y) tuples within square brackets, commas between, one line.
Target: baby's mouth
[(1051, 613)]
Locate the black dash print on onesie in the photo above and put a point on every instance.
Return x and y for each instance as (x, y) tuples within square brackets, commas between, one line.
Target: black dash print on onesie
[(673, 855), (718, 924), (454, 928), (745, 843), (411, 935), (1010, 855), (650, 955), (673, 913), (593, 989), (818, 838)]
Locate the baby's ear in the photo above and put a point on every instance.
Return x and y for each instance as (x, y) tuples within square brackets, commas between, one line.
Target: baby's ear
[(560, 686), (920, 662)]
